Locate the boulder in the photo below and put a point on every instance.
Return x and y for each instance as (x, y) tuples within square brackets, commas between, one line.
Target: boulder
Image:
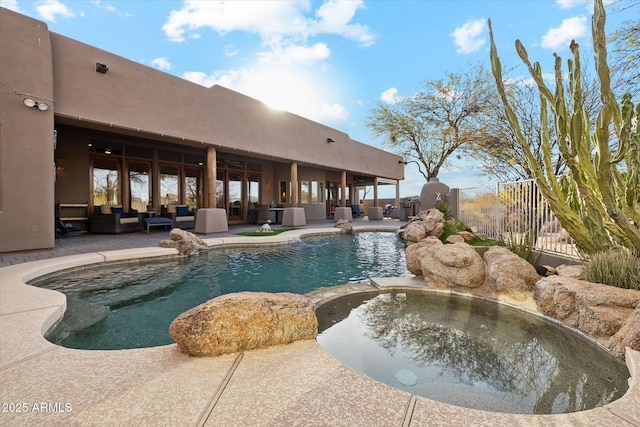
[(571, 271), (453, 265), (510, 274), (414, 232), (185, 242), (344, 225), (599, 310), (627, 336), (455, 238), (413, 254), (244, 321)]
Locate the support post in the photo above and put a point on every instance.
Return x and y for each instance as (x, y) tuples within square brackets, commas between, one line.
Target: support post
[(211, 177), (294, 184)]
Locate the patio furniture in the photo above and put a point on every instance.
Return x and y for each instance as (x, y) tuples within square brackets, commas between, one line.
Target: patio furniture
[(180, 215), (356, 211), (160, 221), (113, 220)]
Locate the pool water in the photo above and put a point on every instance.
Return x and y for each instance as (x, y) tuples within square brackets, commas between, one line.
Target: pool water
[(131, 305), (470, 352)]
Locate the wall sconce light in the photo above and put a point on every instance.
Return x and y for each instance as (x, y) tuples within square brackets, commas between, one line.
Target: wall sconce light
[(101, 68), (107, 151), (329, 140), (35, 104)]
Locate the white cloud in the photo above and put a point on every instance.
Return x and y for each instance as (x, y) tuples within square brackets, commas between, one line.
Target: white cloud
[(230, 51), (10, 4), (50, 9), (570, 4), (470, 37), (296, 54), (161, 63), (335, 17), (107, 7), (571, 28), (276, 22), (390, 96)]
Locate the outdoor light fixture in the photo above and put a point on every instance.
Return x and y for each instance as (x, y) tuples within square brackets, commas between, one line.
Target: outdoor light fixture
[(329, 140), (107, 151), (101, 68), (35, 104)]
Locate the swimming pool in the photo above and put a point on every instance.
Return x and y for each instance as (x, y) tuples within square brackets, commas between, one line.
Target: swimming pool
[(131, 305), (469, 352)]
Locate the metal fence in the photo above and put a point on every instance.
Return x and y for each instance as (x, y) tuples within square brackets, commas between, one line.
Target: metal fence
[(514, 212)]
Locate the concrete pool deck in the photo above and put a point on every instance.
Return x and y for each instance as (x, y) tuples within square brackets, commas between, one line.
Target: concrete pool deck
[(297, 384)]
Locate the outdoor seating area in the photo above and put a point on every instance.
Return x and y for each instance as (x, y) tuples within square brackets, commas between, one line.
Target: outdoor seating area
[(180, 215), (113, 220)]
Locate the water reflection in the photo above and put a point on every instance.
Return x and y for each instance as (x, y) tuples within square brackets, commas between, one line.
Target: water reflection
[(471, 352)]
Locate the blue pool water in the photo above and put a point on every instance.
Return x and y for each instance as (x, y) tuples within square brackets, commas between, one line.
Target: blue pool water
[(131, 305)]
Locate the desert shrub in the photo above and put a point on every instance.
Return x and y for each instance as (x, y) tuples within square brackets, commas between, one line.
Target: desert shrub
[(523, 245), (615, 267), (442, 206)]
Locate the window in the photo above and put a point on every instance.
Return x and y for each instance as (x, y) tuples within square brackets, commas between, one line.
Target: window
[(139, 186), (253, 184), (105, 181), (305, 192), (235, 195), (283, 192), (192, 188), (169, 188)]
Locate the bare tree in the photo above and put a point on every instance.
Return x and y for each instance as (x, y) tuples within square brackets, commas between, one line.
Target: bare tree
[(430, 126)]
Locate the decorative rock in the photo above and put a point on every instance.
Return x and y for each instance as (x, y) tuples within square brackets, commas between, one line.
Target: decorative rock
[(627, 336), (599, 310), (466, 235), (453, 265), (510, 274), (244, 321), (344, 225), (266, 228), (414, 232), (413, 254), (185, 242), (571, 271), (454, 238)]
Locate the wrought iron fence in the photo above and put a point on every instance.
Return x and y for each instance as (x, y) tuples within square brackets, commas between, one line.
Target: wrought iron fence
[(514, 212)]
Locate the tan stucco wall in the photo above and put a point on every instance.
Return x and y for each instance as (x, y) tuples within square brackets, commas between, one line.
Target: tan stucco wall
[(26, 135), (139, 98)]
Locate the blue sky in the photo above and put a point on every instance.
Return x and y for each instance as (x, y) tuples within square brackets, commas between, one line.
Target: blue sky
[(329, 61)]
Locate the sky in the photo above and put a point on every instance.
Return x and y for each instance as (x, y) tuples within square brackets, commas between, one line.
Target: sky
[(329, 61)]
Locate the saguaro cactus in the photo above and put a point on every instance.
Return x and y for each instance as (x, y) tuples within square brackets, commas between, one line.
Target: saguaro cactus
[(598, 200)]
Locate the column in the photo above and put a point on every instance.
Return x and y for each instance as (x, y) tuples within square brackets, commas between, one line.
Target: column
[(211, 177), (294, 184), (343, 189), (375, 191)]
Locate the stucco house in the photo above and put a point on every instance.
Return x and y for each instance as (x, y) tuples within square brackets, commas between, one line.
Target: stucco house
[(82, 128)]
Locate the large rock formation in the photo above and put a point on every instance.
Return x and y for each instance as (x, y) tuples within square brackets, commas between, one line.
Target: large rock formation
[(185, 242), (627, 336), (453, 265), (344, 225), (244, 321), (597, 309), (610, 314), (414, 254), (510, 274), (428, 223)]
